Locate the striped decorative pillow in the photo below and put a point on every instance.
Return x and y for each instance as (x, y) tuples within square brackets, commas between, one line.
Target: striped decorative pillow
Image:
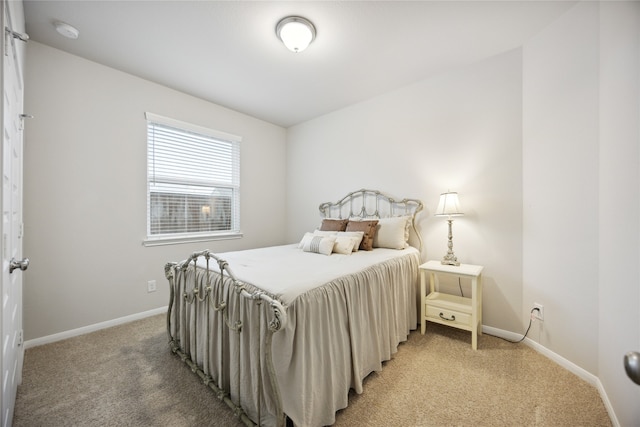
[(318, 244)]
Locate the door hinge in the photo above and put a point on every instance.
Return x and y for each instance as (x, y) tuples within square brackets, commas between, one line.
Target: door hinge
[(20, 338), (22, 117)]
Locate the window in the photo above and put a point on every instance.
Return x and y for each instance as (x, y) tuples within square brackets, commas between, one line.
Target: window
[(193, 182)]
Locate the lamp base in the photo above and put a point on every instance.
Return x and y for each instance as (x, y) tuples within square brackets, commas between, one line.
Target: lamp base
[(450, 259)]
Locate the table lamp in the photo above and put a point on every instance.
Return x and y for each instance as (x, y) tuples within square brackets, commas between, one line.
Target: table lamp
[(449, 206)]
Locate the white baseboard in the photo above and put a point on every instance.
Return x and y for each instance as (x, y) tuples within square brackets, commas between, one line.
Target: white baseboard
[(92, 328), (568, 365)]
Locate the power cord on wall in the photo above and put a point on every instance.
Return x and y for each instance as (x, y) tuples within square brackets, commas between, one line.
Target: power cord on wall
[(527, 331), (531, 317), (502, 338)]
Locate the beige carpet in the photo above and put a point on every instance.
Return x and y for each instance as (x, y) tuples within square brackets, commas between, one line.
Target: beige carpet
[(126, 376)]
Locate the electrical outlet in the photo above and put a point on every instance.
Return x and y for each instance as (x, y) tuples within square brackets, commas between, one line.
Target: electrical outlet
[(151, 286), (538, 314)]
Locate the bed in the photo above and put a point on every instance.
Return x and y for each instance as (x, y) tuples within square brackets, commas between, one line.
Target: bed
[(281, 334)]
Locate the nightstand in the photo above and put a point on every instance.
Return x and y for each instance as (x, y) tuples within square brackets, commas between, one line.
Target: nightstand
[(452, 310)]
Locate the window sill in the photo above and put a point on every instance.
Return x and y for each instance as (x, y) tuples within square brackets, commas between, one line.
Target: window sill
[(177, 240)]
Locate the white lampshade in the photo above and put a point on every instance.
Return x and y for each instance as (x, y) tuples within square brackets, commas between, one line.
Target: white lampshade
[(296, 33), (449, 205)]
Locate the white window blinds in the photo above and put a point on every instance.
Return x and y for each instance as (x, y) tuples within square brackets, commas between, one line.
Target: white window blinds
[(193, 180)]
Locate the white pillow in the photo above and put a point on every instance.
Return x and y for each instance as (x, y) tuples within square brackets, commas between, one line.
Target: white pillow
[(308, 236), (393, 233), (344, 245), (357, 235), (305, 238), (319, 244)]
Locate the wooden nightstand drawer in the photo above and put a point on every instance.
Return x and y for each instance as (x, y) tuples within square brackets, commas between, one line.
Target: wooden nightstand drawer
[(447, 316), (448, 309)]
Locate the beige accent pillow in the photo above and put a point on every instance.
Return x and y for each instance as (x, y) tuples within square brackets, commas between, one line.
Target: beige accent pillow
[(344, 245), (369, 229), (392, 233), (330, 224), (358, 235)]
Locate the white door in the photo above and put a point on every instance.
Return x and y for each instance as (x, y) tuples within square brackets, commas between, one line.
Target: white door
[(11, 225)]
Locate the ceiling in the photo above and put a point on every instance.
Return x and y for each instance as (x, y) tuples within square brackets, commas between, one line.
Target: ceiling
[(227, 52)]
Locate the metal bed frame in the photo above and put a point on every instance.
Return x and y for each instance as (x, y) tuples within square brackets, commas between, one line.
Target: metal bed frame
[(373, 204), (225, 297)]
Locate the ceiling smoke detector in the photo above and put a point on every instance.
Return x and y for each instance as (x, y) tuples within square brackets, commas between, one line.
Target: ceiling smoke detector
[(66, 30)]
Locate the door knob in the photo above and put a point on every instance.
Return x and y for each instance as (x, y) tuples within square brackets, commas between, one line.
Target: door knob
[(632, 366), (22, 265)]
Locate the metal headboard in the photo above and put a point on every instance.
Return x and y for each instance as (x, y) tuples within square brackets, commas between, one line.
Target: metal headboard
[(373, 204)]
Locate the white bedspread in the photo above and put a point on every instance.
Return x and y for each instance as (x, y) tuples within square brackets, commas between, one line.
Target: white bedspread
[(286, 272), (346, 314)]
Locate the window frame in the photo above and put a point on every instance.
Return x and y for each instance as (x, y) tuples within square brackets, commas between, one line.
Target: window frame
[(189, 237)]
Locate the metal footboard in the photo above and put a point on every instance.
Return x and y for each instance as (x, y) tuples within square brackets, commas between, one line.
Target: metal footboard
[(216, 324)]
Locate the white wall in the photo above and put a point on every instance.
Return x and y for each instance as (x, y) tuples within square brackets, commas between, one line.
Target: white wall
[(560, 146), (85, 190), (459, 131), (581, 191), (619, 203)]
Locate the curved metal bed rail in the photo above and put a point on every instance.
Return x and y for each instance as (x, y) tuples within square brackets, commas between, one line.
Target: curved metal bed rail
[(373, 204), (279, 314), (175, 273)]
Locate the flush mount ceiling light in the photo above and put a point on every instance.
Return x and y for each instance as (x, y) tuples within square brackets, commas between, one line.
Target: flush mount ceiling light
[(66, 30), (296, 33)]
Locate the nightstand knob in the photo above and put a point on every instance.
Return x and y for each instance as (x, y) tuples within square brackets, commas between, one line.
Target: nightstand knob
[(453, 317)]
